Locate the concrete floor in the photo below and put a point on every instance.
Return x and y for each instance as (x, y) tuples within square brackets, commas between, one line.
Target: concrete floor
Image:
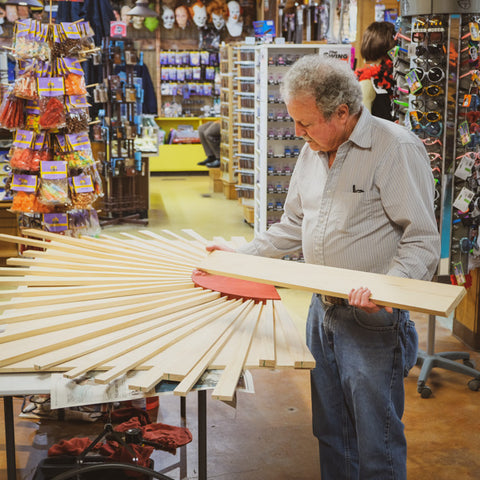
[(268, 435)]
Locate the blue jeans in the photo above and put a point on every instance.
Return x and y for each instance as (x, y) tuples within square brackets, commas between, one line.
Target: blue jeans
[(357, 390)]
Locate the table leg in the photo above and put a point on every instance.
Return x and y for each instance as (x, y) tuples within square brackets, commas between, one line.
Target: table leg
[(202, 435), (9, 438)]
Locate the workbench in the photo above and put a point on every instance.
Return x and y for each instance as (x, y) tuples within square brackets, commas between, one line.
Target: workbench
[(18, 384)]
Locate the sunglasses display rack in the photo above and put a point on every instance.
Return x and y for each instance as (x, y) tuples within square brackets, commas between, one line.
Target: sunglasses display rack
[(437, 69), (465, 246)]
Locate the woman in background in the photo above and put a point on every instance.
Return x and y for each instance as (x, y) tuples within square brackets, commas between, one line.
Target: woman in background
[(376, 78)]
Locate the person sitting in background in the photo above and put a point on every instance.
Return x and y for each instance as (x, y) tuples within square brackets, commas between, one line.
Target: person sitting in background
[(209, 133), (376, 79)]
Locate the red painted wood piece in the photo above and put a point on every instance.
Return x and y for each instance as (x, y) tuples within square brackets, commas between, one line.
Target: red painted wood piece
[(235, 287)]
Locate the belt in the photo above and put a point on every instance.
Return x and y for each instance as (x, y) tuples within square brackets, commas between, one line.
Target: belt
[(329, 300)]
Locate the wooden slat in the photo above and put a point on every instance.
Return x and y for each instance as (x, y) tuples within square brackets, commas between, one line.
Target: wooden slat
[(200, 359), (296, 344), (38, 298), (225, 388), (34, 345), (262, 351), (165, 337), (51, 322), (415, 295), (201, 366)]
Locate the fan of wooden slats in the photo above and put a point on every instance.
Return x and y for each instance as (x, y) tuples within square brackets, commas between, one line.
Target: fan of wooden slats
[(116, 304)]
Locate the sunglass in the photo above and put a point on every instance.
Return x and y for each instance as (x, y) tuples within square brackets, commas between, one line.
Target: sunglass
[(428, 104), (431, 90), (429, 62), (434, 74), (429, 35), (431, 129), (421, 50), (418, 116)]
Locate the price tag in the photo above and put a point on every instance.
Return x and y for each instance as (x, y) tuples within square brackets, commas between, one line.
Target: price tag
[(464, 169), (462, 202)]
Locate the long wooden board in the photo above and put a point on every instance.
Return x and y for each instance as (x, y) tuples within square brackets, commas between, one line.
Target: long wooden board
[(405, 293)]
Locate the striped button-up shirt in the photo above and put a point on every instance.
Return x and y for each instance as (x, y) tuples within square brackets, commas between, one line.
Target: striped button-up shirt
[(373, 210)]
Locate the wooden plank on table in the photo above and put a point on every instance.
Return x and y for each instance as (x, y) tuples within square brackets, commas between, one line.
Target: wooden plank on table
[(188, 243), (53, 281), (54, 297), (296, 344), (165, 337), (177, 247), (147, 333), (102, 348), (65, 246), (51, 322), (225, 388), (262, 351), (176, 363), (203, 363), (160, 254), (125, 288), (283, 355), (415, 295), (97, 267), (92, 305), (196, 236), (80, 258), (97, 247), (199, 358), (34, 345)]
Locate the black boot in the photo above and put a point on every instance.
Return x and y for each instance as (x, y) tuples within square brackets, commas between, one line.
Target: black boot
[(209, 159), (213, 164)]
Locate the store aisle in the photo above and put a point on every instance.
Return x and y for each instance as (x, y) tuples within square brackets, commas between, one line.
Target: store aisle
[(268, 435)]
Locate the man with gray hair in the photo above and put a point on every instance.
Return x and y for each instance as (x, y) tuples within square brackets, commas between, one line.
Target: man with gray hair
[(360, 198)]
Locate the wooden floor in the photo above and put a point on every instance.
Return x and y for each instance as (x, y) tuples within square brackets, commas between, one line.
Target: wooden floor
[(268, 436)]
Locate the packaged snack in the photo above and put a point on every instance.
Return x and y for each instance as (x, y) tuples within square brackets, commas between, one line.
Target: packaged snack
[(21, 152), (83, 192), (52, 108), (55, 222), (26, 86), (53, 188), (12, 112)]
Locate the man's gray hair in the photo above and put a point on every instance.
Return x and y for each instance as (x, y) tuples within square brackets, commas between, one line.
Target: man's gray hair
[(331, 82)]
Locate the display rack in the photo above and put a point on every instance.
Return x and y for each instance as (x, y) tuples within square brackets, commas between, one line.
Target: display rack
[(276, 145), (228, 161), (189, 83), (244, 124), (125, 171), (54, 179)]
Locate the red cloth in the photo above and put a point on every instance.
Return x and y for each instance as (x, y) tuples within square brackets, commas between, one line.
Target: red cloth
[(167, 437), (134, 422), (123, 414), (74, 446)]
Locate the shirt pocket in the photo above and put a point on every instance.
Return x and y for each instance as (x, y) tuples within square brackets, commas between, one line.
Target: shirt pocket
[(358, 212)]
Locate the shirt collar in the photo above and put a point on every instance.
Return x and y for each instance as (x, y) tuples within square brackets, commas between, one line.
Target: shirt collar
[(362, 133)]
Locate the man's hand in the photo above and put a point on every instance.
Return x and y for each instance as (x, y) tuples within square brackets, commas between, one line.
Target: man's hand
[(360, 298), (212, 248)]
